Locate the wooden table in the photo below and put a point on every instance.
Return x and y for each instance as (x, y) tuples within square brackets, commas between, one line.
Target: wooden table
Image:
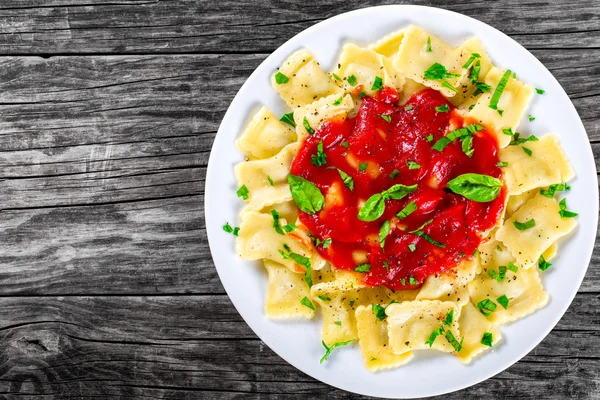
[(108, 110)]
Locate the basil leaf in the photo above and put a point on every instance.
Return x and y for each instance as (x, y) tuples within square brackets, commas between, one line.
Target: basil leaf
[(372, 209), (363, 268), (328, 350), (384, 231), (499, 89), (398, 191), (407, 210), (307, 196), (280, 78), (487, 339), (476, 187), (347, 179), (524, 225)]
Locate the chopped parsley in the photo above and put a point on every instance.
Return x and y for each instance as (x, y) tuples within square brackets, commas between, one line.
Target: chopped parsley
[(328, 350), (413, 165), (455, 343), (338, 101), (394, 174), (447, 85), (503, 301), (299, 259), (449, 317), (407, 210), (229, 229), (325, 243), (498, 276), (540, 91), (346, 144), (486, 306), (543, 264), (380, 310), (502, 164), (428, 47), (419, 232), (289, 227), (457, 134), (439, 331), (377, 83), (559, 187), (412, 281), (288, 119), (474, 74), (363, 166), (307, 126), (338, 323), (527, 151), (481, 87), (276, 223), (508, 131), (499, 89), (243, 192), (512, 267), (531, 118), (437, 72), (336, 77), (442, 108), (320, 158), (347, 179), (412, 247), (352, 80), (487, 339), (500, 111), (429, 138), (270, 181), (518, 140), (281, 78), (384, 231), (564, 213), (363, 268), (386, 118), (324, 298), (307, 303), (524, 225), (408, 107), (471, 59)]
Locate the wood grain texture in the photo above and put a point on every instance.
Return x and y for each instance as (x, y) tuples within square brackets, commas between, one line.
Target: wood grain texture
[(107, 286)]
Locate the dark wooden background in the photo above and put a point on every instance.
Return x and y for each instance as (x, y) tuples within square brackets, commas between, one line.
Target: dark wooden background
[(108, 109)]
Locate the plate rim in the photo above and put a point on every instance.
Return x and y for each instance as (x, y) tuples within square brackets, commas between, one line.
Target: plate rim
[(211, 231)]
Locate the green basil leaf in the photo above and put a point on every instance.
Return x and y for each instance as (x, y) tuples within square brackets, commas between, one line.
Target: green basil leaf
[(398, 191), (384, 231), (524, 225), (476, 187), (307, 196), (372, 209)]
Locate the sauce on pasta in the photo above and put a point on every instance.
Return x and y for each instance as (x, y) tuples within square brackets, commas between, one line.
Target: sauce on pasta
[(384, 145)]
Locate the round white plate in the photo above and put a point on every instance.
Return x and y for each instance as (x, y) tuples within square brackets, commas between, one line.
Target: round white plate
[(299, 342)]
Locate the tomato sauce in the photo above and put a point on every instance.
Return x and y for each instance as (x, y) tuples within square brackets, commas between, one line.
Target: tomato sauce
[(370, 149)]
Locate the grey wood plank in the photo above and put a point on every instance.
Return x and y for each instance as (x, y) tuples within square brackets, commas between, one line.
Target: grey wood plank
[(151, 26), (198, 346)]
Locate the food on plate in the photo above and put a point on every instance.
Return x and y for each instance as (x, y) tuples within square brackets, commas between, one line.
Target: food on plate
[(397, 198)]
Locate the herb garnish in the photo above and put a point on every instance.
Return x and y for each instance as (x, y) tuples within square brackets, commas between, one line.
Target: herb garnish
[(281, 78), (499, 89), (288, 119), (375, 205), (307, 196), (243, 192), (307, 303), (307, 126), (328, 350), (543, 264), (476, 187), (377, 83), (564, 213), (320, 158), (407, 210), (524, 225), (347, 179)]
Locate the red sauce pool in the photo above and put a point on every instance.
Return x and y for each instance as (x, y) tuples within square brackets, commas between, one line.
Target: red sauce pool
[(457, 222)]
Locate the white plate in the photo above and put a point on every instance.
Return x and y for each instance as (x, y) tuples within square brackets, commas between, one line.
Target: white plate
[(299, 342)]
